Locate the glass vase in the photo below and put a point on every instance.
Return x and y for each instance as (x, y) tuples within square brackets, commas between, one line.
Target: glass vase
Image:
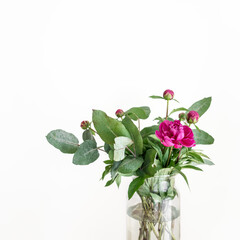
[(153, 213)]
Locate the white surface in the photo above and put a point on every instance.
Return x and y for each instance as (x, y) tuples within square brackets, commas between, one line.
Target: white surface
[(60, 59)]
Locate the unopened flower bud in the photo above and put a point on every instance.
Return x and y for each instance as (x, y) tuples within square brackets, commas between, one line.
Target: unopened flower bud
[(192, 117), (119, 113), (85, 125), (182, 116), (168, 94)]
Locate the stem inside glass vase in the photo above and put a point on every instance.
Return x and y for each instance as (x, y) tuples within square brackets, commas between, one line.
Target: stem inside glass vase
[(154, 212)]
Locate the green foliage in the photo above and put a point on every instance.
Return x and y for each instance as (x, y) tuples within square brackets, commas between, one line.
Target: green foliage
[(87, 135), (134, 186), (107, 127), (208, 162), (114, 168), (149, 130), (156, 198), (118, 180), (111, 154), (135, 135), (201, 106), (182, 174), (64, 141), (110, 182), (130, 165), (147, 166), (156, 97), (86, 153), (165, 157), (177, 110), (160, 119), (136, 113), (194, 156), (192, 167), (106, 171), (119, 147), (107, 147), (137, 153), (202, 137)]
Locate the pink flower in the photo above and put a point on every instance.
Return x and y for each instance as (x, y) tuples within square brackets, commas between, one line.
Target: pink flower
[(119, 113), (168, 94), (192, 117), (175, 134)]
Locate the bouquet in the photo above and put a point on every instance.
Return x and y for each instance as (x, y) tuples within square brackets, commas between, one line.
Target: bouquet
[(151, 156)]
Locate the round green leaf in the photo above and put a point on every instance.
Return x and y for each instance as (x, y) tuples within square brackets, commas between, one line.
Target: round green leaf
[(64, 141), (87, 135), (130, 165), (86, 153)]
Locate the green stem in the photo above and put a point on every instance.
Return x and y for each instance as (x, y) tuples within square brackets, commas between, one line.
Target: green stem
[(130, 151), (178, 157), (169, 156), (154, 230), (93, 130), (167, 109)]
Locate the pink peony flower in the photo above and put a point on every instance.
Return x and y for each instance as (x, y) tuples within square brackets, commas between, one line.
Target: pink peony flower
[(85, 124), (175, 134), (168, 94), (192, 117), (119, 113)]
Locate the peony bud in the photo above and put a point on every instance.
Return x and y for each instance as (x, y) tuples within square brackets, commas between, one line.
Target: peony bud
[(168, 94), (192, 117), (182, 116), (85, 125), (119, 113)]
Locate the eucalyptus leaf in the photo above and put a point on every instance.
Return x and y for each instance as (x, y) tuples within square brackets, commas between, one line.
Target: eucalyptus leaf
[(130, 165), (202, 137), (64, 141), (107, 127), (86, 153), (201, 106), (119, 147), (107, 148), (87, 135), (134, 186), (136, 113)]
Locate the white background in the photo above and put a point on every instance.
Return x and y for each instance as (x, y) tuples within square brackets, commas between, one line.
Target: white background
[(60, 59)]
